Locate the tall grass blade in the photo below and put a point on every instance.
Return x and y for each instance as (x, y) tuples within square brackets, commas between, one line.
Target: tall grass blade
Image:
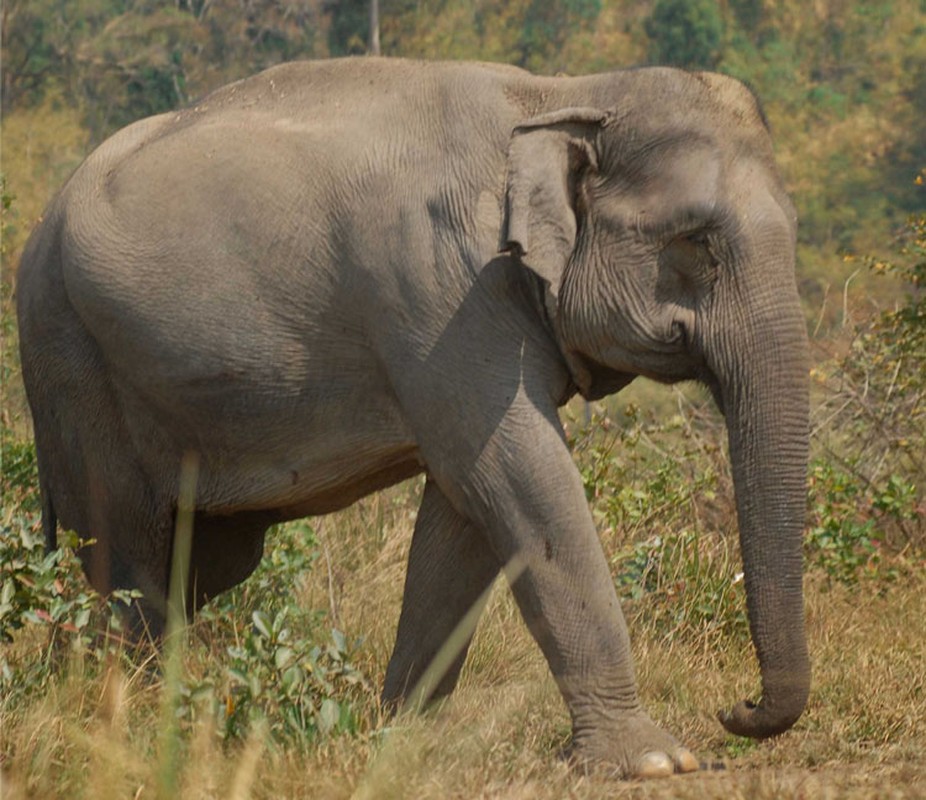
[(247, 766), (370, 786), (168, 768), (457, 640)]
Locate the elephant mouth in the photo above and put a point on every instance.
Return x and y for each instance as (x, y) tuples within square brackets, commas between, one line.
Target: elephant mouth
[(596, 380)]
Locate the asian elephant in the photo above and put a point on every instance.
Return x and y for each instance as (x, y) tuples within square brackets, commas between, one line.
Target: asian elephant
[(333, 276)]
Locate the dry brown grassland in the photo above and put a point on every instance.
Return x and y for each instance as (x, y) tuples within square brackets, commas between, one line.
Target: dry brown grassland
[(100, 733)]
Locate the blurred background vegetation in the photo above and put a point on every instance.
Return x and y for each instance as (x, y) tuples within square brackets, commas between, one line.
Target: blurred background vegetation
[(844, 87), (844, 84)]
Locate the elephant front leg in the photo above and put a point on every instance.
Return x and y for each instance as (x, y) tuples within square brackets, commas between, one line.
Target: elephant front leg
[(525, 492), (450, 567), (567, 597)]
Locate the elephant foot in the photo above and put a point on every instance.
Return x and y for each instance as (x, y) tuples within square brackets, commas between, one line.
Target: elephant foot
[(635, 748)]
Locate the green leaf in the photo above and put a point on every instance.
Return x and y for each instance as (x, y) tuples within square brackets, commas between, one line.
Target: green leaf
[(262, 624), (282, 657), (82, 618), (328, 715)]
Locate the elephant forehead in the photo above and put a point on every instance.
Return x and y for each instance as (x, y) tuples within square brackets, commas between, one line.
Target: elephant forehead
[(682, 177), (664, 187)]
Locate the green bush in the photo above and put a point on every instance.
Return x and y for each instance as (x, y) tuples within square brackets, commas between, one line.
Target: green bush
[(46, 596), (685, 33), (300, 687), (284, 668), (868, 482), (654, 487), (274, 661), (847, 537)]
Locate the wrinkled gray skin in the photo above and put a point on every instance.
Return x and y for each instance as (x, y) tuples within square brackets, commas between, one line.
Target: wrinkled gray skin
[(333, 276)]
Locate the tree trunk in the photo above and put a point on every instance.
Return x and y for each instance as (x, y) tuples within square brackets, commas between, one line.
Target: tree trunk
[(374, 28)]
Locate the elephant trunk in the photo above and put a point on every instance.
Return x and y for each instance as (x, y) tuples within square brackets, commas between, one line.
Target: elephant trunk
[(766, 402)]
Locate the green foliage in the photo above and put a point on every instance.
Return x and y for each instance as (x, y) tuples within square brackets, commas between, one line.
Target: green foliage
[(847, 537), (119, 62), (137, 68), (867, 492), (652, 485), (292, 551), (31, 53), (749, 13), (19, 477), (349, 28), (6, 215), (299, 687), (279, 669), (685, 33), (48, 592), (872, 421), (278, 666), (903, 330), (547, 25)]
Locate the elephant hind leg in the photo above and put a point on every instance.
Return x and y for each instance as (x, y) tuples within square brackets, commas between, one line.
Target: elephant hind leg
[(92, 478), (130, 549), (449, 568), (224, 551)]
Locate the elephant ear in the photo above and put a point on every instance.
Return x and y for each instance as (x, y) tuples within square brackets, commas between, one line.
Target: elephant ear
[(546, 156)]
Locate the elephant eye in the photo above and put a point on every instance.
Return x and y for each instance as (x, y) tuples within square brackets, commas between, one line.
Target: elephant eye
[(690, 257), (698, 238)]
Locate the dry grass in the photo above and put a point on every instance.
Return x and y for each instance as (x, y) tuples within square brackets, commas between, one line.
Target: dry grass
[(863, 736)]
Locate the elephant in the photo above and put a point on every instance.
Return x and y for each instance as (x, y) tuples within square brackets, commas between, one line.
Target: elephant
[(333, 276)]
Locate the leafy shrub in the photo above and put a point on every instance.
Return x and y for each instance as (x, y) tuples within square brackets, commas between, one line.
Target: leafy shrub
[(291, 681), (653, 487), (867, 485), (291, 552), (279, 669), (46, 590), (19, 479), (48, 594), (846, 538), (274, 660), (685, 33)]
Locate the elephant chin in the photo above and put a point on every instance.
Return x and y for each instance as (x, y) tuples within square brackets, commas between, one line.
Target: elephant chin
[(595, 380)]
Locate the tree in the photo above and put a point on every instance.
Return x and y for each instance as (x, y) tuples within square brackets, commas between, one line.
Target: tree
[(547, 26), (685, 33), (349, 31)]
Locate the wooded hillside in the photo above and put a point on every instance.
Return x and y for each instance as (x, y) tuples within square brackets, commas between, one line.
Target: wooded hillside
[(844, 85)]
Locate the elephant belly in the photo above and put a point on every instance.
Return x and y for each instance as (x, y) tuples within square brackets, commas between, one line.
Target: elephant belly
[(312, 474), (319, 462), (296, 450)]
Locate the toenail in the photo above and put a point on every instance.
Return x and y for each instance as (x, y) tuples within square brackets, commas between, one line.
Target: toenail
[(654, 765), (685, 761)]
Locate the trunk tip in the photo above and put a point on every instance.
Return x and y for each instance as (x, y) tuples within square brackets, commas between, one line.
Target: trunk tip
[(758, 721)]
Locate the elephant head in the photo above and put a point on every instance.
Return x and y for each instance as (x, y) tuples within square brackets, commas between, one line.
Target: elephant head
[(667, 245)]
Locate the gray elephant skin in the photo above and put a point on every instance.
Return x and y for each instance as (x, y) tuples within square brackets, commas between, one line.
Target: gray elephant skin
[(333, 276)]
